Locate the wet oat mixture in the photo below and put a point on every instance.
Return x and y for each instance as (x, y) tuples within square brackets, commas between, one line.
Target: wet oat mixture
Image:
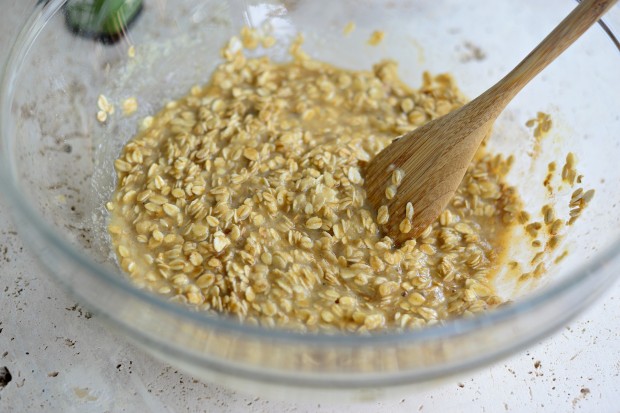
[(246, 197)]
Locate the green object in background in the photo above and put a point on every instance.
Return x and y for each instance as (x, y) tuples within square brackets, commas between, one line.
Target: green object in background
[(105, 20)]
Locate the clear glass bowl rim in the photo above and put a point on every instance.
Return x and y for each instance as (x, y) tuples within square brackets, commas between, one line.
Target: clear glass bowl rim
[(20, 206)]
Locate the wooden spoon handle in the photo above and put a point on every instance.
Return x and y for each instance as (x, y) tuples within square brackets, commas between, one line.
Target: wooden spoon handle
[(570, 29)]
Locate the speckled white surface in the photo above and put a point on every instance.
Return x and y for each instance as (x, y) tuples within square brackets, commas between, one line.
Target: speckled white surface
[(63, 359)]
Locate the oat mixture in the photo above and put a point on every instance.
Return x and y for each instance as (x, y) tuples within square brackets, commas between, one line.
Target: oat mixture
[(246, 197)]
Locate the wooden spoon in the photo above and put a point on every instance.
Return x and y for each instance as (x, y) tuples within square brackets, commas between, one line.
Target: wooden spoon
[(435, 156)]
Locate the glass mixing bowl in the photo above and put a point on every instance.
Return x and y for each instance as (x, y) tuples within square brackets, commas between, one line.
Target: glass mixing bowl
[(56, 170)]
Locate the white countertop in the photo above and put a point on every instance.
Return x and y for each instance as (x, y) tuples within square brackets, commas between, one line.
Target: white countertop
[(63, 359)]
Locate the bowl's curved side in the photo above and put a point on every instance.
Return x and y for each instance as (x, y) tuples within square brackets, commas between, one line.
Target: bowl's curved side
[(54, 157)]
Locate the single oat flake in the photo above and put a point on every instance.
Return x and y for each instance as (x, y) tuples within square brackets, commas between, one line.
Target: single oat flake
[(376, 37)]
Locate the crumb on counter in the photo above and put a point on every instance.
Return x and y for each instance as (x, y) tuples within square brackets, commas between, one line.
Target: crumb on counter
[(349, 28), (130, 106), (102, 116), (105, 108), (376, 37), (104, 105)]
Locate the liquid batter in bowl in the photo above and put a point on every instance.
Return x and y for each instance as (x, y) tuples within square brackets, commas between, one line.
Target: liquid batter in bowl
[(246, 197)]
